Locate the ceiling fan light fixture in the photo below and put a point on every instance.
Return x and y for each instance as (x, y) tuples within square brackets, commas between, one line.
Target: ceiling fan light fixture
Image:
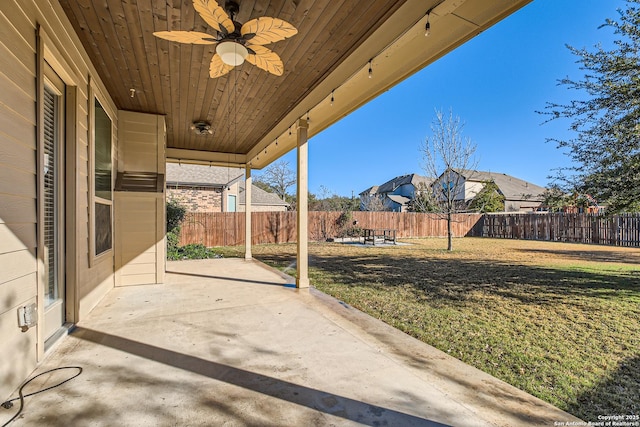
[(232, 53), (201, 127)]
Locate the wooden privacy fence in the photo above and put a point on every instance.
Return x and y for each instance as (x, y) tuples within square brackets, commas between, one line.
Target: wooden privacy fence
[(616, 230), (227, 228)]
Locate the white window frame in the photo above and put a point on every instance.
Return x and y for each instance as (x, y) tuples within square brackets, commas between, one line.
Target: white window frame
[(47, 51), (96, 95)]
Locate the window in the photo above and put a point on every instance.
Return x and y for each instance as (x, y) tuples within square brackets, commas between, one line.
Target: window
[(53, 194), (102, 180), (102, 148), (231, 203)]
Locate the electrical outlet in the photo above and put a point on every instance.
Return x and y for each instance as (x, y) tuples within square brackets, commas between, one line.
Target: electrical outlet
[(27, 316)]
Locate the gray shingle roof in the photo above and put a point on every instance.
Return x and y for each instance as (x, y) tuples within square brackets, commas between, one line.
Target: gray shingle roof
[(369, 191), (396, 182), (202, 175), (260, 197), (511, 187), (399, 199)]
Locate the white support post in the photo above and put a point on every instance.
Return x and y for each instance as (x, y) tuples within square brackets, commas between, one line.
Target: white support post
[(247, 212), (302, 269)]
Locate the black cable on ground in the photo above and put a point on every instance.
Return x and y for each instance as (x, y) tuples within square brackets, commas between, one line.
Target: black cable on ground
[(9, 403)]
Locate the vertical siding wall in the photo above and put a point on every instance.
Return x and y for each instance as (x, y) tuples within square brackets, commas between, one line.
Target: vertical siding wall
[(140, 216), (140, 247), (19, 267)]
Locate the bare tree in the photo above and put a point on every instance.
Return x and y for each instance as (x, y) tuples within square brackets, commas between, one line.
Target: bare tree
[(447, 154), (424, 201), (279, 177), (371, 203)]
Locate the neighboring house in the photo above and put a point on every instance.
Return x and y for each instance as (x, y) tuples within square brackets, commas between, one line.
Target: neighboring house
[(396, 193), (202, 188), (369, 201), (519, 195), (371, 191), (261, 201)]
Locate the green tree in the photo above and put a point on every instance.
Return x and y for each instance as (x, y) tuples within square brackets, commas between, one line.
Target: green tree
[(330, 201), (555, 199), (489, 199), (606, 150)]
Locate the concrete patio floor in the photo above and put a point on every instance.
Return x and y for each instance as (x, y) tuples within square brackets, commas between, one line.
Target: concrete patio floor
[(223, 342)]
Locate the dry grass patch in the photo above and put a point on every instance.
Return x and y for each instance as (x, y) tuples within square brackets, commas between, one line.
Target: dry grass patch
[(560, 321)]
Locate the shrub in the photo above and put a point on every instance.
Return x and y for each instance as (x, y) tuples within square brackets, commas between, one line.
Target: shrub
[(175, 215), (196, 251), (346, 226), (173, 239)]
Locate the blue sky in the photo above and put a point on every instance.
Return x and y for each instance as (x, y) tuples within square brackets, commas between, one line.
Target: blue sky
[(495, 83)]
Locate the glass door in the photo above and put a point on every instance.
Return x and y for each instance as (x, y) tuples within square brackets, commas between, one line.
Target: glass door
[(53, 173)]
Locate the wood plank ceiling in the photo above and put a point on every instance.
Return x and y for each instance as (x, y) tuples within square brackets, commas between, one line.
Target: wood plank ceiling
[(173, 78)]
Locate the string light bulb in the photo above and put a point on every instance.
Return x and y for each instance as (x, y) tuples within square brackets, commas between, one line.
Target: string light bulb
[(332, 98), (370, 69), (427, 27)]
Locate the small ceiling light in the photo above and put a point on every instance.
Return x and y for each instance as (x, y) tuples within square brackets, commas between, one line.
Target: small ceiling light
[(201, 127), (232, 53), (427, 27), (332, 98), (370, 69)]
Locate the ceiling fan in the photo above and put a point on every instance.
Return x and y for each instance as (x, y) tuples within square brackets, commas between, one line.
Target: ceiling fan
[(235, 42)]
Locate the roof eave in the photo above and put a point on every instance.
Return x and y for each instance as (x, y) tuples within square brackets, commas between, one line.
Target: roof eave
[(401, 36)]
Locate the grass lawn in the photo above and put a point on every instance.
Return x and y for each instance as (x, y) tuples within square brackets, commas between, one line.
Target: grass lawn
[(560, 321)]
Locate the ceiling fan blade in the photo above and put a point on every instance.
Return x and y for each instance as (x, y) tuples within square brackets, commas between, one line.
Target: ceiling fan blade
[(218, 68), (214, 15), (265, 59), (193, 37), (265, 30)]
